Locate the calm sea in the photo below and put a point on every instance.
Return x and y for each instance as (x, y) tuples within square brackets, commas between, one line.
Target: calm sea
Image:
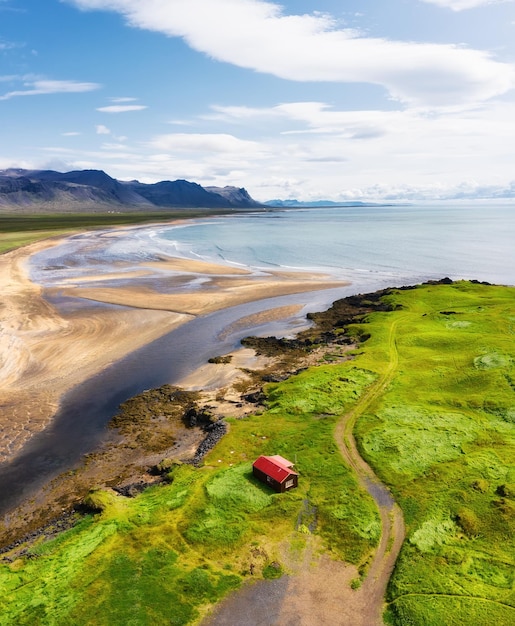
[(367, 245), (401, 242)]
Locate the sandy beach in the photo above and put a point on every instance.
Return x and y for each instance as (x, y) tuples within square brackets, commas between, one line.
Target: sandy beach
[(45, 352)]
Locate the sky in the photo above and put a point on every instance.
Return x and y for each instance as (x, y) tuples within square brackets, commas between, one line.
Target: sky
[(409, 100)]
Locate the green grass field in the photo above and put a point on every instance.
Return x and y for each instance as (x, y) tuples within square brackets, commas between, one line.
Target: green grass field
[(165, 556), (20, 230), (441, 435)]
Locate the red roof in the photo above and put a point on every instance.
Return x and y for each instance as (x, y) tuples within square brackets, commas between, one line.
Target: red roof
[(276, 467)]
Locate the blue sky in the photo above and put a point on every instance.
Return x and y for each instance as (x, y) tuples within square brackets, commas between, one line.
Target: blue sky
[(334, 99)]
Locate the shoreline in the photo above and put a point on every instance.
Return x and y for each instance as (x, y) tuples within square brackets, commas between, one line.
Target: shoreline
[(45, 352), (228, 385)]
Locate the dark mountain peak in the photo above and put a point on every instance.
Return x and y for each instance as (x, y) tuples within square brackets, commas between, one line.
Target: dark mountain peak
[(236, 195), (179, 193), (96, 178), (83, 189), (13, 172)]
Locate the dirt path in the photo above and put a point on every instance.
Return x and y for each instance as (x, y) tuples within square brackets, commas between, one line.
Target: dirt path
[(392, 521), (319, 593)]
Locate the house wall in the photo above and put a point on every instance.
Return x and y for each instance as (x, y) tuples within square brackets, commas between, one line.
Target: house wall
[(268, 480), (294, 482), (279, 487)]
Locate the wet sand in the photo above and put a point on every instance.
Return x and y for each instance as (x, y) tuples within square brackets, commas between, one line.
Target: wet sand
[(44, 352)]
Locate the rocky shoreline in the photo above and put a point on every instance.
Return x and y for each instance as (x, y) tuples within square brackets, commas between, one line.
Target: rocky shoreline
[(171, 423), (21, 547)]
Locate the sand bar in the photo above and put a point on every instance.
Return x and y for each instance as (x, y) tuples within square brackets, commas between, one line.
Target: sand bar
[(45, 352)]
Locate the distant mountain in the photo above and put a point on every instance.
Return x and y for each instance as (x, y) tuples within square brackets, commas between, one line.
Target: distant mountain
[(235, 195), (317, 203), (94, 190)]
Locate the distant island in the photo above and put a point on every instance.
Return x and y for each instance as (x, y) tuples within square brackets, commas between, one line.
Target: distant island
[(318, 204), (38, 191)]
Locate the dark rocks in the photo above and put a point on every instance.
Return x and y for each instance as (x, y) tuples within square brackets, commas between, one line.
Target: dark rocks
[(214, 433), (274, 346), (167, 402), (220, 359), (198, 416), (256, 397), (132, 490), (67, 520), (442, 281), (275, 378), (331, 326)]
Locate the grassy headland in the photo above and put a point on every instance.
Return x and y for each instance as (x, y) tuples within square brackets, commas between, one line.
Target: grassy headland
[(440, 434)]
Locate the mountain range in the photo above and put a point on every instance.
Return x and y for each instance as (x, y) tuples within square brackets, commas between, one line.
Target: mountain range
[(95, 191)]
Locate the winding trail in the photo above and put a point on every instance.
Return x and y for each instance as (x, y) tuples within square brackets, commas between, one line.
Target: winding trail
[(392, 522), (320, 593)]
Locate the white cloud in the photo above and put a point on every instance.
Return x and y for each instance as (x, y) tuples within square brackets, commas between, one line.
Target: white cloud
[(181, 122), (318, 118), (115, 147), (461, 5), (337, 153), (257, 35), (311, 150), (197, 142), (44, 87), (102, 130), (118, 100), (241, 113), (328, 153), (121, 108), (71, 134)]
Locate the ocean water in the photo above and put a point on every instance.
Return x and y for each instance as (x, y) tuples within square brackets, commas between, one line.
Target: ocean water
[(402, 242), (366, 245), (475, 242)]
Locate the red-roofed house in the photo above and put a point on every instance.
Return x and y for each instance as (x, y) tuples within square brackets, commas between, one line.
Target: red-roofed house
[(276, 472)]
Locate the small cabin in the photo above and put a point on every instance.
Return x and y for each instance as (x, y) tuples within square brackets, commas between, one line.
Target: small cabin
[(276, 472)]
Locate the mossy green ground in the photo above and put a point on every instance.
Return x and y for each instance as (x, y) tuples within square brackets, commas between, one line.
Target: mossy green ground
[(165, 556), (441, 434)]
